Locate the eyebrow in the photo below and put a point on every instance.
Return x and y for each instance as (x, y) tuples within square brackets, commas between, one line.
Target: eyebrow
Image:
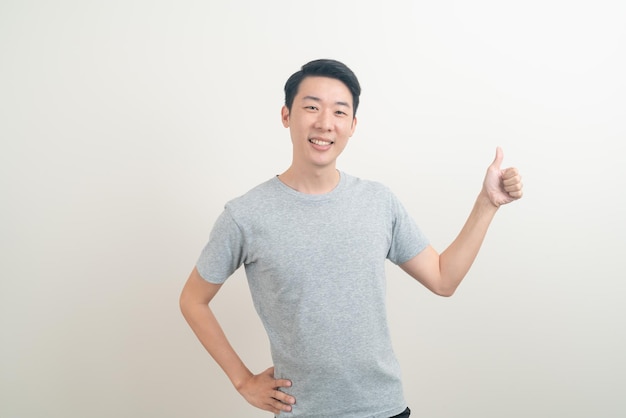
[(317, 99)]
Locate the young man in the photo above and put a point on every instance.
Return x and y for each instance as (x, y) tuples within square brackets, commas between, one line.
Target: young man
[(314, 242)]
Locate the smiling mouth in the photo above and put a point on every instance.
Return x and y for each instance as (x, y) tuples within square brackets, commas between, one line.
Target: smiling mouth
[(320, 142)]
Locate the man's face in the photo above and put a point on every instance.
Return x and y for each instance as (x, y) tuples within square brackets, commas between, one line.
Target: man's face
[(321, 121)]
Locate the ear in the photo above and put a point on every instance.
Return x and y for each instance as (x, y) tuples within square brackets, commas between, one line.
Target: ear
[(284, 116), (353, 127)]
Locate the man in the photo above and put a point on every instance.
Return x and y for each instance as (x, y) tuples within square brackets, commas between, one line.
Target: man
[(314, 242)]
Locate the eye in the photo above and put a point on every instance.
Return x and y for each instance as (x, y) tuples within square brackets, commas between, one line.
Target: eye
[(311, 107), (341, 113)]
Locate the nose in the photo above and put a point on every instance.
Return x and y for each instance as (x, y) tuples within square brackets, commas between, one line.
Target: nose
[(324, 121)]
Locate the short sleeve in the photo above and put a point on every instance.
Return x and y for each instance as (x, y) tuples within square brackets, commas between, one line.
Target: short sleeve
[(407, 239), (225, 251)]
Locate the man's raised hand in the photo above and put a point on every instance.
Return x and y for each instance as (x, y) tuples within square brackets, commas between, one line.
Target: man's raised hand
[(502, 186)]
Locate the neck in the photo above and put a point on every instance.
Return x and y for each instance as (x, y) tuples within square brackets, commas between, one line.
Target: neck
[(314, 181)]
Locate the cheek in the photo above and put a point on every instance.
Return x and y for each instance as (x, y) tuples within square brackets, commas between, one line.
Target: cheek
[(347, 130)]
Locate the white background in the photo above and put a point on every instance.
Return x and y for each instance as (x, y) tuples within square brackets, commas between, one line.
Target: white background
[(126, 125)]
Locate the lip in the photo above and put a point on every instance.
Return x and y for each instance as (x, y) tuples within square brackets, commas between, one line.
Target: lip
[(325, 143)]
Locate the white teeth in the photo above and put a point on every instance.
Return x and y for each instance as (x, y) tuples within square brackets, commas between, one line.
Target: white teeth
[(320, 142)]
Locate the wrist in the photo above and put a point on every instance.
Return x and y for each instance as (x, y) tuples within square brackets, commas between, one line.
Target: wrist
[(485, 202), (240, 381)]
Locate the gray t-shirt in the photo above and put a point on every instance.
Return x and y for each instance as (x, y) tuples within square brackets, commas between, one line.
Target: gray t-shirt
[(316, 270)]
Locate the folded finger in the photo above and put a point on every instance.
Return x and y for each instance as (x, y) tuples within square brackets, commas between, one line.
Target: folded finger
[(512, 180), (280, 406), (283, 397), (282, 383)]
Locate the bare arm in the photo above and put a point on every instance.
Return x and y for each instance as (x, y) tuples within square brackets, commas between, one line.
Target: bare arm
[(443, 273), (259, 390)]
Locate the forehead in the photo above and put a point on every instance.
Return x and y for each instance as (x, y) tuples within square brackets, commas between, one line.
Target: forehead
[(325, 89)]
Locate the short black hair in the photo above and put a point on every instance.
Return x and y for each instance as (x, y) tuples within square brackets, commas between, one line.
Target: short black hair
[(323, 68)]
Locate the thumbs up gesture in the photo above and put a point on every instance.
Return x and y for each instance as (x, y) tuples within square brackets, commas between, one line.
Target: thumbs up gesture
[(502, 186)]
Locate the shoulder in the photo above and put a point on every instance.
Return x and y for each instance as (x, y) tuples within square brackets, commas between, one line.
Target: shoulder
[(374, 194), (255, 199), (366, 186)]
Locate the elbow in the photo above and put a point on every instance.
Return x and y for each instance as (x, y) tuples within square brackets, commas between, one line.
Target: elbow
[(447, 284), (183, 303), (445, 293)]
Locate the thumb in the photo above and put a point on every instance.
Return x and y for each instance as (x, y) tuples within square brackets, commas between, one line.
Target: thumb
[(499, 157)]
